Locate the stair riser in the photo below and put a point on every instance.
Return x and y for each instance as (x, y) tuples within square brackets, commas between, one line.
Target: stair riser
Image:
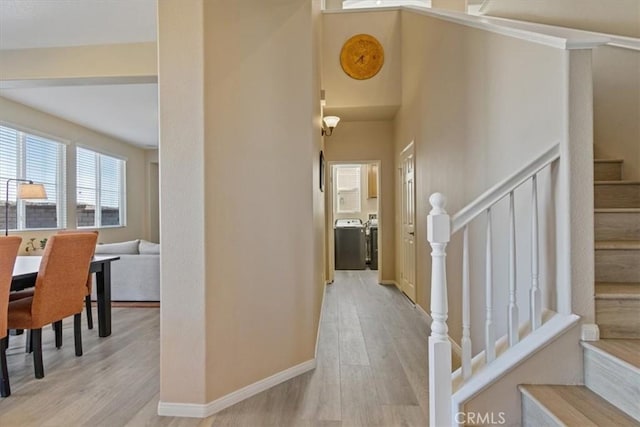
[(534, 415), (607, 171), (617, 226), (614, 381), (618, 318), (617, 196), (617, 266)]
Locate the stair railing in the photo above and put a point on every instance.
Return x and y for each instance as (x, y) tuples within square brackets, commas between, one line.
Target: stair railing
[(440, 228)]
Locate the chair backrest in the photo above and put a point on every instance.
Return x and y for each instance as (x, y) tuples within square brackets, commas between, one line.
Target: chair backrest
[(9, 246), (89, 280), (60, 285)]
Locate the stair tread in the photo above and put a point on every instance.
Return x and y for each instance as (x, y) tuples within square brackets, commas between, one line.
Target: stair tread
[(625, 350), (577, 406), (618, 244), (608, 160), (617, 290), (619, 182), (617, 210)]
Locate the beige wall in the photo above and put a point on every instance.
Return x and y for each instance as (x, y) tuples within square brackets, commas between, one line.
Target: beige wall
[(457, 5), (381, 90), (30, 119), (616, 92), (255, 282), (616, 71), (371, 141), (492, 136), (620, 17)]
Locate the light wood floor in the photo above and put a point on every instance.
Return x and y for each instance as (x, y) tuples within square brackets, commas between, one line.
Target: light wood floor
[(372, 371)]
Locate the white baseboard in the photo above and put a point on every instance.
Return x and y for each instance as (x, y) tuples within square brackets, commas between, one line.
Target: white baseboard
[(390, 283), (194, 410), (590, 332), (324, 292)]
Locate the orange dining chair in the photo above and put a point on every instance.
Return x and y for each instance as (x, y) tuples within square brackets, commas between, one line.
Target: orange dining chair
[(59, 292), (8, 251), (87, 298), (57, 327)]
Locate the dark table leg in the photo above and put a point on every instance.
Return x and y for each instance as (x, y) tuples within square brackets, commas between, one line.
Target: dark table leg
[(103, 291)]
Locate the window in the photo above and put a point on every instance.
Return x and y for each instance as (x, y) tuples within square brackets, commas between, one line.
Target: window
[(347, 188), (42, 160), (99, 189)]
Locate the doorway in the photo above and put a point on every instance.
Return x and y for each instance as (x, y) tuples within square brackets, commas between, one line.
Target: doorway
[(408, 207), (353, 207)]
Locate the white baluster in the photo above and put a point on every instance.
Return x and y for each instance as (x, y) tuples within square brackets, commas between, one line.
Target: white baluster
[(513, 305), (536, 297), (466, 308), (438, 234), (490, 341)]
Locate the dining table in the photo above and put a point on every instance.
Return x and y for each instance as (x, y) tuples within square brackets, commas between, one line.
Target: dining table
[(25, 272)]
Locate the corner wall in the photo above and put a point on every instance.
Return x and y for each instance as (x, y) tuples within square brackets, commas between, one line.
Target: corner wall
[(240, 126)]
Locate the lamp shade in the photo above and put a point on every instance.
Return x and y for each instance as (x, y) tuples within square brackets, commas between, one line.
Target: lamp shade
[(32, 191), (331, 121)]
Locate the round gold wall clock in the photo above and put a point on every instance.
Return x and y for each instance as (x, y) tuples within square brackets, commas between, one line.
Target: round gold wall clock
[(362, 56)]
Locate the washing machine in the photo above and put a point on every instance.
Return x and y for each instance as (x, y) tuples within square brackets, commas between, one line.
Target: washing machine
[(350, 244)]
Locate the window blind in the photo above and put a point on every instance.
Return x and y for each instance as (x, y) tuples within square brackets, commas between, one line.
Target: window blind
[(42, 160), (99, 189)]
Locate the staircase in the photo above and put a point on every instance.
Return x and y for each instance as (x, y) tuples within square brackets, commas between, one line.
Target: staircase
[(611, 394)]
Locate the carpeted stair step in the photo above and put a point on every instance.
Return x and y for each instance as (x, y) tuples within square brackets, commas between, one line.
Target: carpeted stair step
[(571, 406)]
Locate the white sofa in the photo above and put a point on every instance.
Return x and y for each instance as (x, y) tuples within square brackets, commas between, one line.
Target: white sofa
[(136, 275)]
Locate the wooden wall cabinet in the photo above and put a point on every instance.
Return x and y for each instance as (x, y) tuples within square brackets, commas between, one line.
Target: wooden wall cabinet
[(372, 181)]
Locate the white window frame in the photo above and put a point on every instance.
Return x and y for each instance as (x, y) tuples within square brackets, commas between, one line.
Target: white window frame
[(338, 190), (61, 179), (98, 207)]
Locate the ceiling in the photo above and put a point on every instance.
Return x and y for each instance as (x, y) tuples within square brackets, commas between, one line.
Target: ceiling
[(126, 112)]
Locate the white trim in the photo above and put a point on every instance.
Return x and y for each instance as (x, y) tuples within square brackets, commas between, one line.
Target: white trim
[(195, 410), (455, 347), (557, 37), (511, 358), (503, 188), (590, 332), (389, 283)]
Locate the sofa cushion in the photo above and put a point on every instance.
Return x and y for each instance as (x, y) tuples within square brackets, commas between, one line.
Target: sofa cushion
[(149, 248), (123, 248)]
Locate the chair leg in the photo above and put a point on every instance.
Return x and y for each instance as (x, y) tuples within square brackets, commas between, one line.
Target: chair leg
[(57, 327), (5, 389), (77, 333), (36, 342), (87, 303), (28, 344)]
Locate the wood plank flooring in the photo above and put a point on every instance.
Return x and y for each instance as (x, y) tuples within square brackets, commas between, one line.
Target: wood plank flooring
[(372, 371)]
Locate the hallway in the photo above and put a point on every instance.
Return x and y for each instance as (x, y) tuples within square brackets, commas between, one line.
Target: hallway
[(372, 365), (372, 371)]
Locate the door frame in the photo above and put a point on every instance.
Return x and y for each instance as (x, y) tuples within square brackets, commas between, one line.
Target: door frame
[(330, 259), (400, 189)]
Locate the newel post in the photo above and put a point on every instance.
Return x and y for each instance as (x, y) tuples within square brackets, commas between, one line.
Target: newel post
[(438, 234)]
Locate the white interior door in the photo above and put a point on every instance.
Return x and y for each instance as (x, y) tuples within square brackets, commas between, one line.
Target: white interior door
[(407, 171)]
